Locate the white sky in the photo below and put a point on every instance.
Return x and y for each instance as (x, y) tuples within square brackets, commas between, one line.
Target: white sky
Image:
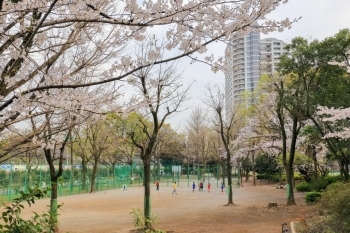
[(320, 19)]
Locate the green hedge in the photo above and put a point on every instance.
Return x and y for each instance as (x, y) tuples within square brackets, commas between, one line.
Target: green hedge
[(333, 179), (318, 185), (312, 197), (303, 187)]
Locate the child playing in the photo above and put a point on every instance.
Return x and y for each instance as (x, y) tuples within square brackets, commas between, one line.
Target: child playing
[(222, 187), (157, 185), (209, 187), (193, 187), (174, 187)]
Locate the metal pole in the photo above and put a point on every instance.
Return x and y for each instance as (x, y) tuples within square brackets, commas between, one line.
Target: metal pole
[(71, 177), (239, 176), (188, 178), (208, 172), (217, 176), (40, 173), (178, 175), (167, 180), (25, 179), (10, 192)]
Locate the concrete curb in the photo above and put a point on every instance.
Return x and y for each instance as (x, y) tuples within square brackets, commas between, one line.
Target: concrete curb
[(292, 227)]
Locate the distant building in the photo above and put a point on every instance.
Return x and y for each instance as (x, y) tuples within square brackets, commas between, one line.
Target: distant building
[(248, 57), (271, 50)]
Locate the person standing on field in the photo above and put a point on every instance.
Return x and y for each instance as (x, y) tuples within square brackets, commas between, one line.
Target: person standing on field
[(193, 187), (209, 187), (157, 185), (222, 187), (174, 187)]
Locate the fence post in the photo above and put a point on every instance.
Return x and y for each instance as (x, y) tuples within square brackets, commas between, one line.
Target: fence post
[(217, 176), (178, 175), (71, 179), (208, 172), (25, 179), (167, 180), (10, 184), (188, 177)]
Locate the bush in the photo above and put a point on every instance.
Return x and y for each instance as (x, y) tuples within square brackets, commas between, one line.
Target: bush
[(318, 185), (333, 179), (315, 225), (335, 201), (11, 220), (276, 178), (335, 206), (312, 197), (303, 187), (140, 221), (261, 176)]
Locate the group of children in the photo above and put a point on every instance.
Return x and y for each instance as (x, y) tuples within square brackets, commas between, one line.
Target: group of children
[(201, 186)]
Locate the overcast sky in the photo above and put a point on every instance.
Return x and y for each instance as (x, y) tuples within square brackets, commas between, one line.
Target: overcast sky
[(319, 19)]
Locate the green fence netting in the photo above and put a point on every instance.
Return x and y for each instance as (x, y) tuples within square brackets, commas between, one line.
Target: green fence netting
[(75, 181)]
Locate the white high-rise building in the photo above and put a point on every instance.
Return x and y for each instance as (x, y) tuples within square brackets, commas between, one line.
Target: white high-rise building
[(242, 54), (248, 57)]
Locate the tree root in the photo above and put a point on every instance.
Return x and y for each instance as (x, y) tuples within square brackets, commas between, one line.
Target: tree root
[(229, 204)]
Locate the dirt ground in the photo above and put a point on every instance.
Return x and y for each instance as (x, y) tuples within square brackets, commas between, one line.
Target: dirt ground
[(108, 211)]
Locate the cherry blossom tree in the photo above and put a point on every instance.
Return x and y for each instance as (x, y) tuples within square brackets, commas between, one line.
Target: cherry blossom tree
[(228, 125), (160, 88), (58, 54), (65, 47)]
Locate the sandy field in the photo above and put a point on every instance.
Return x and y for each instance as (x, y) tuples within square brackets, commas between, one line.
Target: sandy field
[(108, 211)]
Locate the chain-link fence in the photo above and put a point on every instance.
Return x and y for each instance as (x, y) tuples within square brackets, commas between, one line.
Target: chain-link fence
[(75, 180), (185, 175)]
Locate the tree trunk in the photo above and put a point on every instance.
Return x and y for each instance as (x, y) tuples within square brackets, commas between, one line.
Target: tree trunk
[(147, 198), (290, 192), (83, 175), (223, 173), (53, 204), (71, 170), (315, 162), (346, 170), (280, 174), (229, 181), (93, 177), (131, 175), (253, 160)]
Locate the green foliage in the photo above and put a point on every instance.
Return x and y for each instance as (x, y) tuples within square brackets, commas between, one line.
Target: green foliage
[(276, 178), (303, 187), (318, 185), (335, 201), (142, 222), (262, 176), (13, 223), (335, 206), (266, 164), (333, 179), (312, 197), (315, 225), (247, 164), (298, 177)]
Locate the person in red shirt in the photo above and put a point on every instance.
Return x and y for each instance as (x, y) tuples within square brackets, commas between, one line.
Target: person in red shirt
[(209, 187), (157, 184)]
